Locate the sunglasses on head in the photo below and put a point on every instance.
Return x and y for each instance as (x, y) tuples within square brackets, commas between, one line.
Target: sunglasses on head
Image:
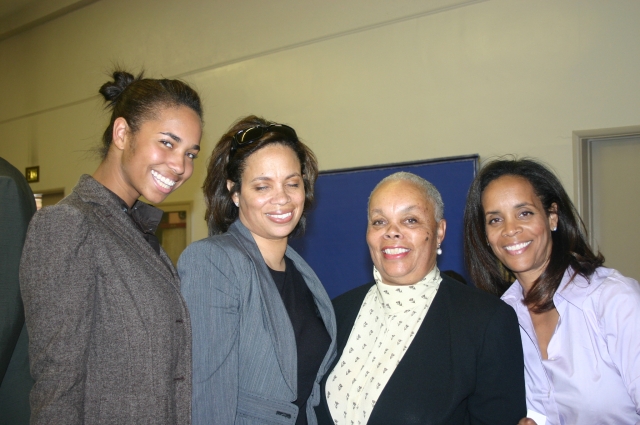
[(251, 134)]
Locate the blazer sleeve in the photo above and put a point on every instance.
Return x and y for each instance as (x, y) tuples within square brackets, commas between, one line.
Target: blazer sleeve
[(499, 396), (57, 279), (210, 288), (16, 208)]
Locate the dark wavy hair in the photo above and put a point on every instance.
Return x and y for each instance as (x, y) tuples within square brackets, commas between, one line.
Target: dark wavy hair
[(138, 99), (569, 242), (221, 211)]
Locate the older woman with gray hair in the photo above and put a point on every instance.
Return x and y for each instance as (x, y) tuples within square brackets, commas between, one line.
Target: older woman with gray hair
[(415, 346)]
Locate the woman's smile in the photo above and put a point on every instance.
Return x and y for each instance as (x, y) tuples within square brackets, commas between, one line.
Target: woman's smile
[(517, 248), (395, 252), (279, 217), (166, 184)]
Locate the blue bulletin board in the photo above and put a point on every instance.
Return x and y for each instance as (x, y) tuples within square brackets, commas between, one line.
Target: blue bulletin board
[(334, 244)]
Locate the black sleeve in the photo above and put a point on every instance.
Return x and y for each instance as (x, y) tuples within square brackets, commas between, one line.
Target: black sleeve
[(16, 208)]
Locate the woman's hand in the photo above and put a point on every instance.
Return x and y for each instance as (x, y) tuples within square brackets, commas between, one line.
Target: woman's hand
[(527, 421)]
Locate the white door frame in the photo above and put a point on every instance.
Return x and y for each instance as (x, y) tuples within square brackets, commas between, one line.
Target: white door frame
[(582, 173)]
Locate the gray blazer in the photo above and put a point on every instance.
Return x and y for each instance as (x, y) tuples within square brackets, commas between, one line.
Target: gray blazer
[(244, 348), (110, 339)]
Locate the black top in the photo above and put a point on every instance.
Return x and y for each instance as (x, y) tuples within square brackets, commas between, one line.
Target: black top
[(312, 338)]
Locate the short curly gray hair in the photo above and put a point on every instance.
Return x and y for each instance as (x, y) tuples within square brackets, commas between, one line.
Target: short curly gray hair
[(430, 191)]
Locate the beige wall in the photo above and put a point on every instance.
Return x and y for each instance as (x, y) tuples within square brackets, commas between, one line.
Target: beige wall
[(362, 81)]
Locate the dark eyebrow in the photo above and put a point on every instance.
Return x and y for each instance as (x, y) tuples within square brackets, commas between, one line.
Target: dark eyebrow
[(173, 136), (266, 178), (523, 204), (179, 140)]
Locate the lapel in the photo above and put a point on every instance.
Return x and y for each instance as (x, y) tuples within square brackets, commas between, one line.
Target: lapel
[(106, 207), (422, 381), (276, 316)]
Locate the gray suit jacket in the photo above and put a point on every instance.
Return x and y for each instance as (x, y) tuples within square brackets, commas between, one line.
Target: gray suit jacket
[(244, 348), (16, 208), (110, 337)]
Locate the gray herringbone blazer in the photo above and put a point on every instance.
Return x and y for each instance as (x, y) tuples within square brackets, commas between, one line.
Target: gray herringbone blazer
[(110, 337), (244, 348)]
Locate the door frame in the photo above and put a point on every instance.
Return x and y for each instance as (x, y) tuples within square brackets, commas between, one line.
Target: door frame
[(180, 206), (582, 173)]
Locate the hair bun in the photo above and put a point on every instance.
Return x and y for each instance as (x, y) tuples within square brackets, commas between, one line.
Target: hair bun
[(113, 89)]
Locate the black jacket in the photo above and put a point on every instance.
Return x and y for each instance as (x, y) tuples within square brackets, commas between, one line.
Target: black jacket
[(464, 365)]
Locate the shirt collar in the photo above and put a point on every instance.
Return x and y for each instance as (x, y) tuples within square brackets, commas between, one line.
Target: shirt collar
[(576, 289), (573, 291), (146, 217), (394, 298)]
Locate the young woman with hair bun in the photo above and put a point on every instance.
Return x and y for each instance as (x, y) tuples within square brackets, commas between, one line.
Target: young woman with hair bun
[(110, 336)]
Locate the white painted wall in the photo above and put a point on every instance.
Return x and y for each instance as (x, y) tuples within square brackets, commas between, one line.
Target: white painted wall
[(362, 81)]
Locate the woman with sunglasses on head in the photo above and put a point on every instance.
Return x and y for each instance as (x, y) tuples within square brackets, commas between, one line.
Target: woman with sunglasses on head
[(109, 332), (579, 321), (263, 325)]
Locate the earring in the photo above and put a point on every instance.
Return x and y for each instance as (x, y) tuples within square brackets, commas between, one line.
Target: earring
[(554, 229), (237, 204), (439, 250)]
